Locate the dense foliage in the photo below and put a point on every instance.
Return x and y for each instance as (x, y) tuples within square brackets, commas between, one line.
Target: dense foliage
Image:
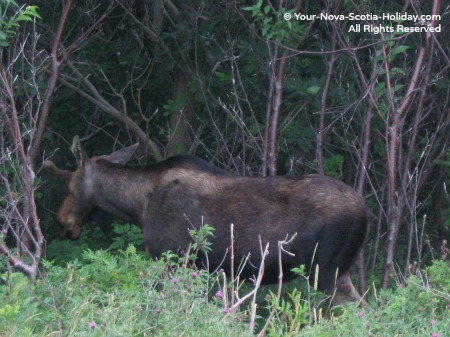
[(126, 294), (252, 87), (106, 295)]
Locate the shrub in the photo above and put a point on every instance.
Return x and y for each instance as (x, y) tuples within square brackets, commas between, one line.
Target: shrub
[(421, 308), (127, 294), (113, 295)]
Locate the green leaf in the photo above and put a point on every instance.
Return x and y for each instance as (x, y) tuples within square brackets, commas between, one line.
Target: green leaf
[(397, 87), (248, 9), (397, 50), (23, 17), (379, 57), (400, 49), (380, 87), (314, 89)]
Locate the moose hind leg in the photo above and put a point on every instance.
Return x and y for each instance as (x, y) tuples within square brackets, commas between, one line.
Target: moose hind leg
[(339, 287), (345, 291)]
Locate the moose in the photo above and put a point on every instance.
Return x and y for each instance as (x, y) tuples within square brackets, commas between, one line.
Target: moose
[(170, 197)]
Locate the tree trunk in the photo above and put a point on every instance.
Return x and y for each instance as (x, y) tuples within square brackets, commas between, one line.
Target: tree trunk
[(390, 245), (394, 205)]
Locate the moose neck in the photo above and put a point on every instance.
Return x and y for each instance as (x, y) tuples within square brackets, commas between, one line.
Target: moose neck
[(120, 190)]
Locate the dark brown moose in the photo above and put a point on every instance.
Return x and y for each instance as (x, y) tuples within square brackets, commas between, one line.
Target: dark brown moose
[(170, 197)]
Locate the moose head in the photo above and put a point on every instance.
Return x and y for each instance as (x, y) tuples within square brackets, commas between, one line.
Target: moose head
[(79, 203)]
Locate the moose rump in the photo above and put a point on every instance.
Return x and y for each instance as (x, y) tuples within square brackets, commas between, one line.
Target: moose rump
[(169, 198), (329, 231)]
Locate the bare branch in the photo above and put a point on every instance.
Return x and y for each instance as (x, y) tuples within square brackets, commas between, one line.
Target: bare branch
[(96, 98), (281, 249), (43, 114), (51, 167)]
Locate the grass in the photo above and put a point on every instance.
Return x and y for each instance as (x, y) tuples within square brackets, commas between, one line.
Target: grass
[(127, 294), (114, 295), (121, 292)]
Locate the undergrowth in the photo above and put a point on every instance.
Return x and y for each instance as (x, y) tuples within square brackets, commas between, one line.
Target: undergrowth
[(113, 295), (127, 294), (421, 308), (122, 292)]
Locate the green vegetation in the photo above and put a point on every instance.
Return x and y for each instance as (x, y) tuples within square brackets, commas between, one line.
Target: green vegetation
[(127, 294), (242, 86), (107, 295), (11, 15), (421, 307), (122, 292)]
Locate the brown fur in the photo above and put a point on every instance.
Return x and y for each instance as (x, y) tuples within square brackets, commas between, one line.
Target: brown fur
[(168, 198)]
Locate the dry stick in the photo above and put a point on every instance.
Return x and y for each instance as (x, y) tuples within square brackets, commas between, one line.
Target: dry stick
[(239, 301), (51, 84), (365, 148), (51, 167), (13, 121), (225, 291), (280, 279), (275, 109), (392, 130), (391, 136), (232, 264), (371, 103), (377, 242), (255, 290), (258, 282), (246, 99), (27, 180), (103, 104), (26, 176), (406, 169), (272, 154), (29, 270), (441, 137), (396, 204), (239, 120), (326, 90), (12, 259), (253, 293), (268, 117)]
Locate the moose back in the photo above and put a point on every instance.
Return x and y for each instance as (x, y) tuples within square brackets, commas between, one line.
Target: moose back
[(169, 198)]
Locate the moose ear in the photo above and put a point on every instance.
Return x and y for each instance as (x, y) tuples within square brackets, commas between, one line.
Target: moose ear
[(123, 155), (79, 153)]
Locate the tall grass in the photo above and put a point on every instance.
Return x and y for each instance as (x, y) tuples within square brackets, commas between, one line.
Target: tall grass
[(127, 294), (114, 295)]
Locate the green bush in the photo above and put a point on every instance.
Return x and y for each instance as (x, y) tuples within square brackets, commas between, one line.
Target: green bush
[(127, 294), (421, 308), (120, 237), (113, 295)]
